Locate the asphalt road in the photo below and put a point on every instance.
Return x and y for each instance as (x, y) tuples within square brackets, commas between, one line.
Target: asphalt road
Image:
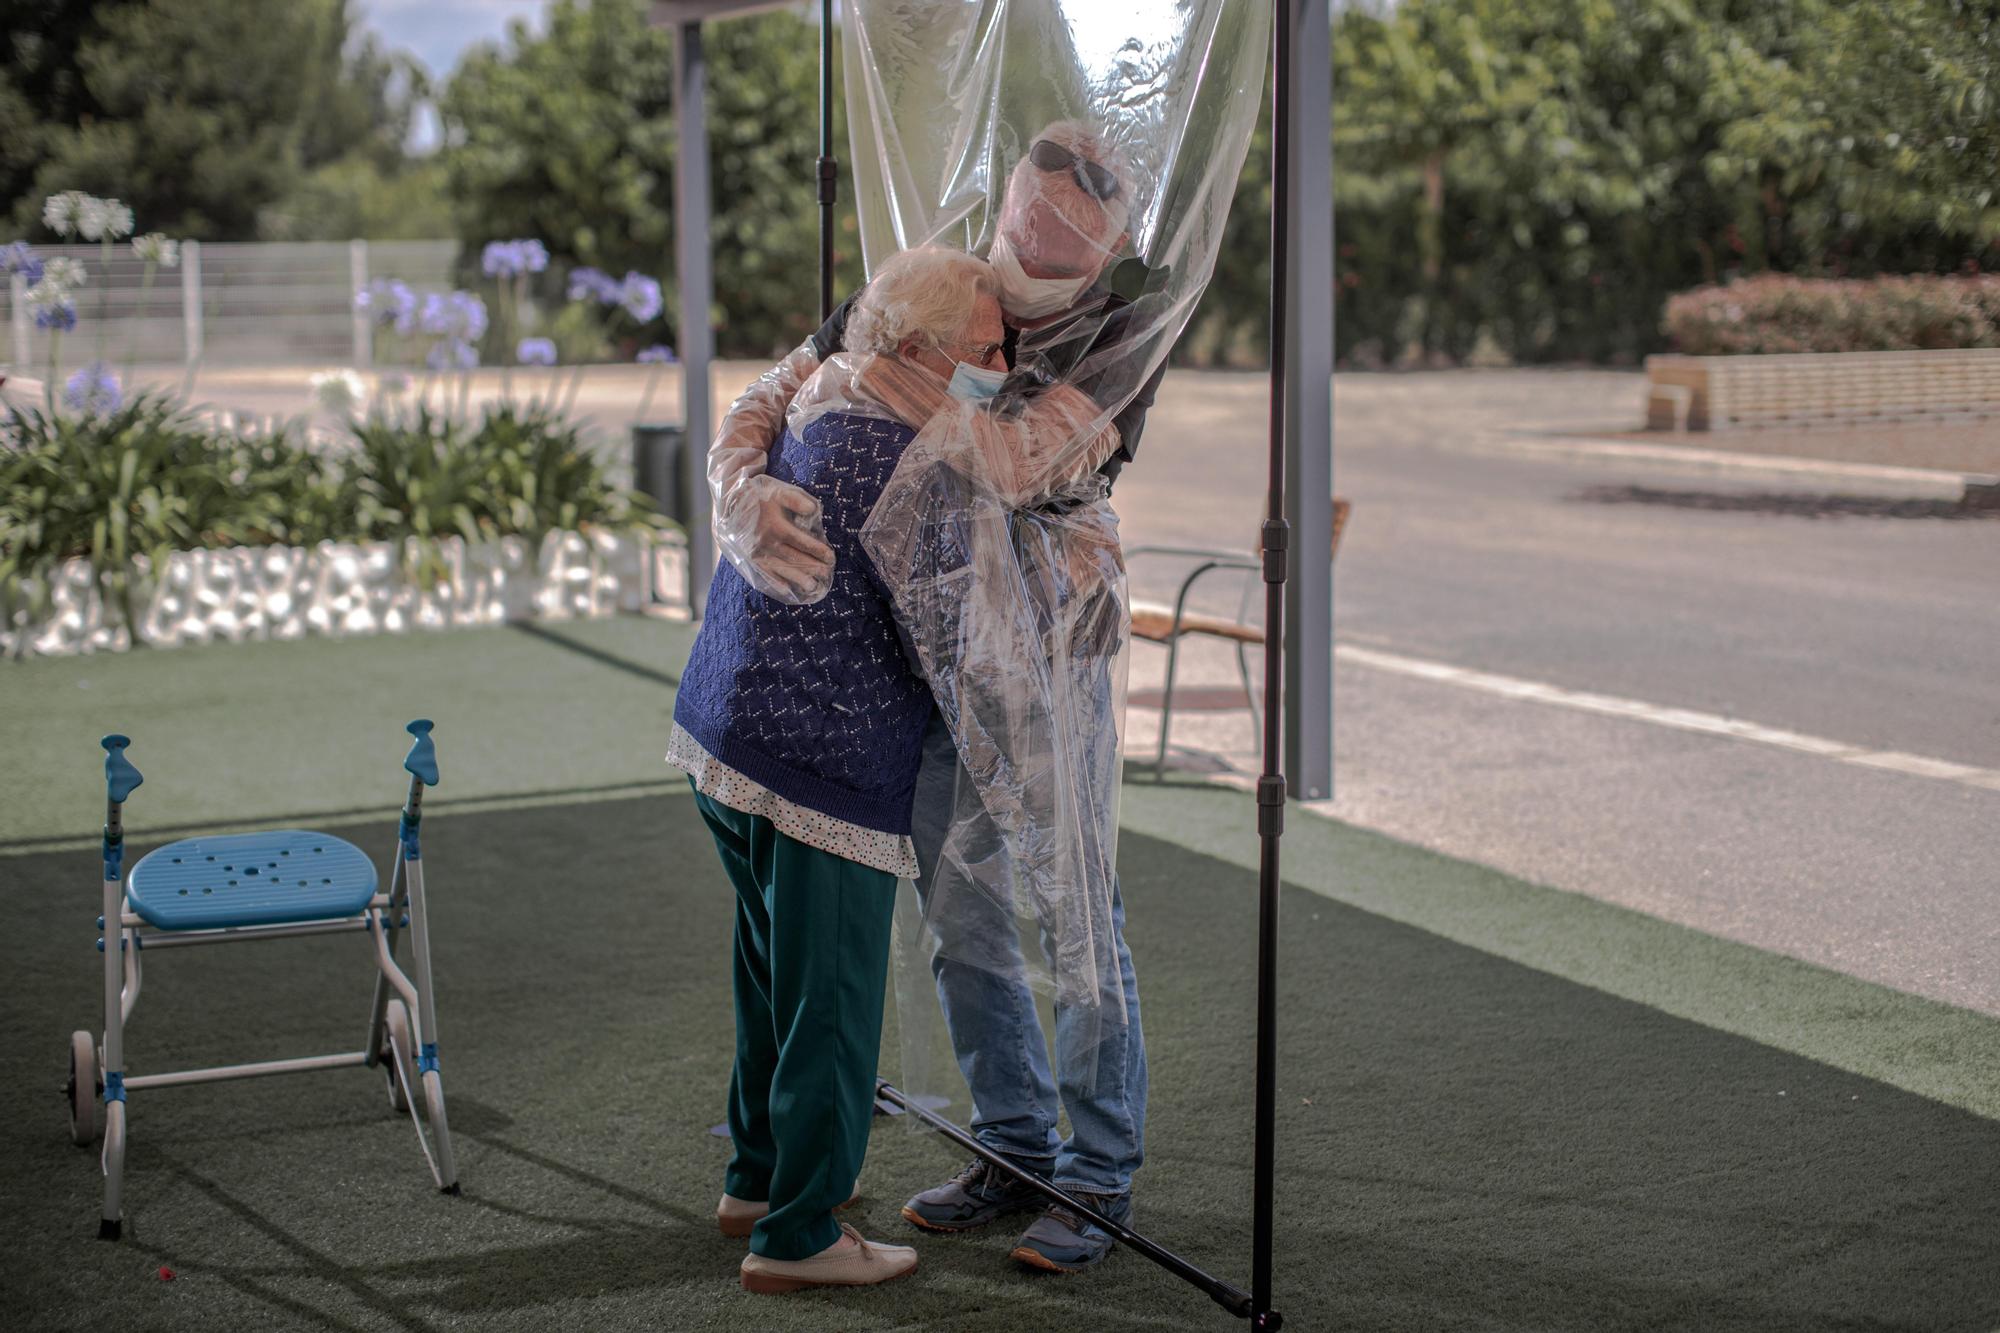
[(1868, 621)]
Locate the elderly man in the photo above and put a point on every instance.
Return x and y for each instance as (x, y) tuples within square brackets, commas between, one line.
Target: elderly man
[(1062, 223)]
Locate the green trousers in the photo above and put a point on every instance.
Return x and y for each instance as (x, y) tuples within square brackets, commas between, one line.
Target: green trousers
[(812, 960)]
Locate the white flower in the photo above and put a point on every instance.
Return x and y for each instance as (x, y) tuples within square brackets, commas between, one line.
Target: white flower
[(91, 218), (60, 277), (155, 247), (117, 219), (45, 295), (59, 211), (340, 393)]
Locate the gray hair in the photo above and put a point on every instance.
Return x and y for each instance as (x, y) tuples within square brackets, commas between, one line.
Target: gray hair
[(927, 292)]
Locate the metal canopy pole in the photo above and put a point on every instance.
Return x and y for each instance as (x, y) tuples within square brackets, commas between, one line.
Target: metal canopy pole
[(1271, 784), (829, 169), (1309, 417), (697, 294)]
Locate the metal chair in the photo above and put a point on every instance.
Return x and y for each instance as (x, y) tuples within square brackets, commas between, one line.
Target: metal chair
[(1155, 622), (257, 886)]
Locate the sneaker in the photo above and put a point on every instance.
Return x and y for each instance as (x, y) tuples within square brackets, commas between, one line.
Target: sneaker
[(1062, 1241), (848, 1262), (736, 1217), (972, 1198)]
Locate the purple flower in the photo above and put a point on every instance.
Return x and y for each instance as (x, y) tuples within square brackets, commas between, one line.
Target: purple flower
[(458, 315), (61, 317), (594, 285), (391, 301), (640, 296), (452, 353), (21, 258), (434, 315), (536, 352), (471, 313), (507, 259), (659, 353), (93, 389)]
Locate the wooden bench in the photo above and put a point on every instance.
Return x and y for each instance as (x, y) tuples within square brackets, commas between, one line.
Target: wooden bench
[(1716, 393)]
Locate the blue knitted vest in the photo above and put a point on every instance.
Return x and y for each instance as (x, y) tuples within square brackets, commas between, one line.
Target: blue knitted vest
[(817, 703)]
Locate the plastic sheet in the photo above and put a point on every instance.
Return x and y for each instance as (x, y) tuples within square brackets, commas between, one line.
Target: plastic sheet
[(1090, 150)]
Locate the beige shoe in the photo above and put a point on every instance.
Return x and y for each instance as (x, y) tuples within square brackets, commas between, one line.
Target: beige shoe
[(848, 1262), (737, 1216)]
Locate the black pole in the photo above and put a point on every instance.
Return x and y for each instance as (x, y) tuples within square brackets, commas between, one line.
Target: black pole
[(829, 170), (1230, 1297), (1271, 785)]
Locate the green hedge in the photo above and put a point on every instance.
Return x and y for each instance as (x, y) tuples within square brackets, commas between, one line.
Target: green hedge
[(1780, 314)]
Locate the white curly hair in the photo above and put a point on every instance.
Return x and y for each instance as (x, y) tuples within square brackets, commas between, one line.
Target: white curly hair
[(930, 292)]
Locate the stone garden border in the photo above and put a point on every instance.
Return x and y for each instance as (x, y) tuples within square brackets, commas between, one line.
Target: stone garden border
[(338, 589), (1843, 389)]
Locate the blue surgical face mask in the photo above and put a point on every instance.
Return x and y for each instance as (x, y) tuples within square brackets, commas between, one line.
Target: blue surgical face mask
[(972, 384)]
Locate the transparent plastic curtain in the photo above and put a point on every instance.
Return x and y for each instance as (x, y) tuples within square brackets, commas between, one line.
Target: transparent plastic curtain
[(1083, 146)]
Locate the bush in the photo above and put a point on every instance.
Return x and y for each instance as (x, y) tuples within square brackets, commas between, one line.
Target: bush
[(149, 478), (143, 480), (1781, 314)]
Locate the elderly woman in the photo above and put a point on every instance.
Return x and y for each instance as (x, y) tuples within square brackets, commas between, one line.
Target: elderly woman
[(801, 729)]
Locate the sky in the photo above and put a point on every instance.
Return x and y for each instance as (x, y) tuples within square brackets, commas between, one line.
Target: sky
[(438, 31)]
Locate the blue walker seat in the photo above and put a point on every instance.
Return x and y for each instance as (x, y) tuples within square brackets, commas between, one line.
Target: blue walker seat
[(238, 888), (271, 878)]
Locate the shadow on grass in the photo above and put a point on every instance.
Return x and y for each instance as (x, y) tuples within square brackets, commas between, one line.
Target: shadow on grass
[(1462, 1141), (556, 638)]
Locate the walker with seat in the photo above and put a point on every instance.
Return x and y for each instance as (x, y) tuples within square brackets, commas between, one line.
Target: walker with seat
[(275, 884)]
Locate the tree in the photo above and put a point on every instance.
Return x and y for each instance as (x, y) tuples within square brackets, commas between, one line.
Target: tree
[(569, 137), (200, 114)]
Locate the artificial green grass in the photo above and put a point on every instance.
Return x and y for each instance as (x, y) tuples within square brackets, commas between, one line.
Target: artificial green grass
[(1464, 1141), (254, 734)]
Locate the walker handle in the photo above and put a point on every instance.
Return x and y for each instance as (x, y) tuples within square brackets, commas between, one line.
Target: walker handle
[(120, 777), (422, 759)]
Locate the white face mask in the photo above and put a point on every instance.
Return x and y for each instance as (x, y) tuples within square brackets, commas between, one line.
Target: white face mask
[(973, 384), (1031, 298)]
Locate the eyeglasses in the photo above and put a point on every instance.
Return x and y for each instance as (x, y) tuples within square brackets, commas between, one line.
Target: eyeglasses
[(983, 352), (1092, 178)]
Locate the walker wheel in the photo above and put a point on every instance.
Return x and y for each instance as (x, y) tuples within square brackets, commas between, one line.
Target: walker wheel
[(83, 1089), (396, 1058)]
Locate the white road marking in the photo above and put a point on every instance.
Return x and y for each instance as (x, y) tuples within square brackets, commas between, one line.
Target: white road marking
[(1682, 719)]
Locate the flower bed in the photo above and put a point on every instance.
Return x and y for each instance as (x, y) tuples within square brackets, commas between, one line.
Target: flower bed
[(145, 522)]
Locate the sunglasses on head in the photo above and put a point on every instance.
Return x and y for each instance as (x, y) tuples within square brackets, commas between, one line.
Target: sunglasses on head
[(1092, 178)]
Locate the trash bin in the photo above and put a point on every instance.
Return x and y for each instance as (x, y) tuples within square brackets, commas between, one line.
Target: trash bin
[(661, 469)]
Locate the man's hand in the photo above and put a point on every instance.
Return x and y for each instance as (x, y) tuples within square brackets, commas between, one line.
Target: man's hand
[(771, 531)]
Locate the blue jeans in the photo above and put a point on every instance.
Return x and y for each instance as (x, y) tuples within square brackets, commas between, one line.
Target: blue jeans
[(997, 1035)]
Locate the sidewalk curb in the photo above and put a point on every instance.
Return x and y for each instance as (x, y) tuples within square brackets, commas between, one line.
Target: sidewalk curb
[(1975, 489)]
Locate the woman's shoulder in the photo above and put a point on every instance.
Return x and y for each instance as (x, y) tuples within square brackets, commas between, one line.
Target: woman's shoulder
[(855, 441), (840, 425)]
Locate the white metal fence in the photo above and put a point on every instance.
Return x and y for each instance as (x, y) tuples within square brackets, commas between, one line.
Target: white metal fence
[(228, 303)]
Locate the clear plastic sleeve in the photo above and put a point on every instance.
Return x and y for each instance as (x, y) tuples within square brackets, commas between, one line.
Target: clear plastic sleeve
[(1090, 152), (769, 529)]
